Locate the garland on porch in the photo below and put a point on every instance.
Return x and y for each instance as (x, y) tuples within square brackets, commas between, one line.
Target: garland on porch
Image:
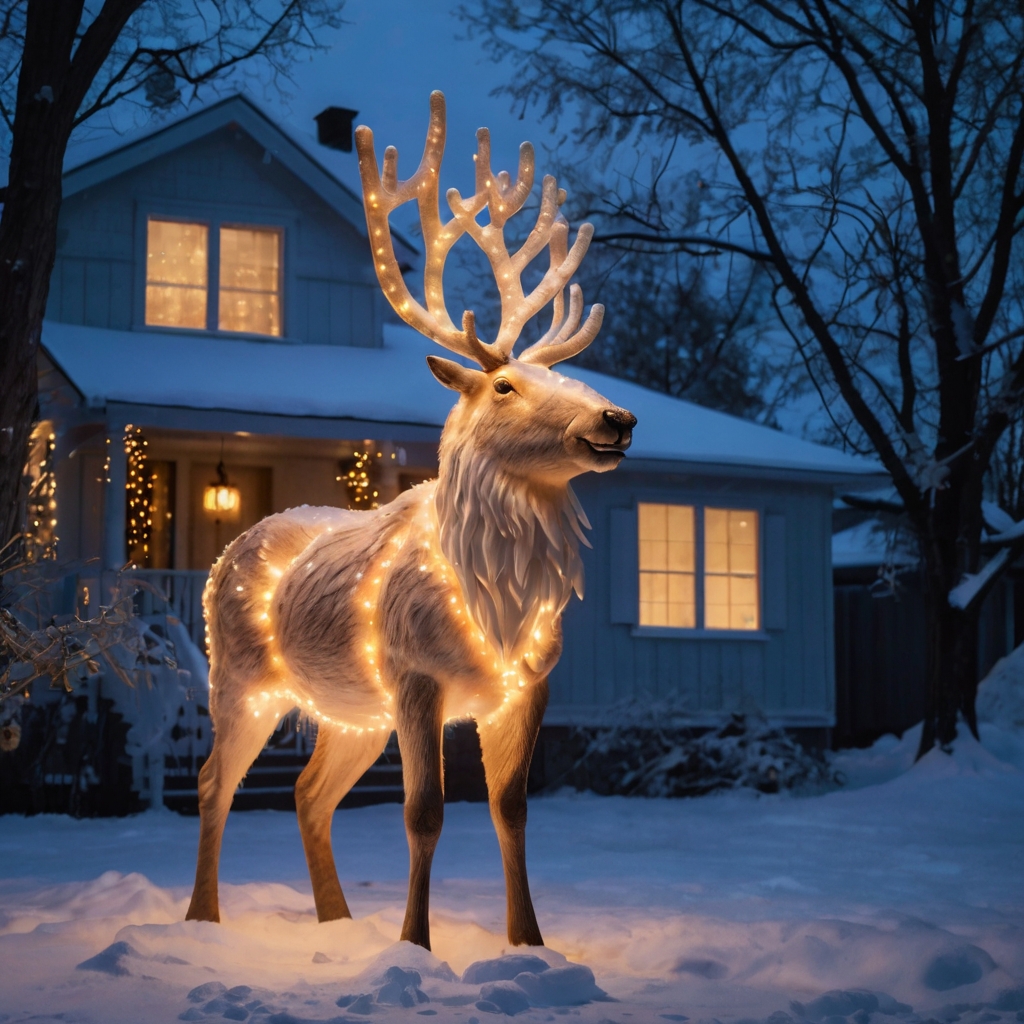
[(40, 536), (139, 488), (361, 476)]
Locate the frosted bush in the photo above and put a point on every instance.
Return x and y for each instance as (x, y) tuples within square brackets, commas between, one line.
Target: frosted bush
[(653, 753)]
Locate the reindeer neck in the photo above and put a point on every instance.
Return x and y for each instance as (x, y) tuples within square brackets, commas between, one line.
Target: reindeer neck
[(514, 547)]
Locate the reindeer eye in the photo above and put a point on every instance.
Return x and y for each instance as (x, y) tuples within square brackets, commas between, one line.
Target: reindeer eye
[(502, 386)]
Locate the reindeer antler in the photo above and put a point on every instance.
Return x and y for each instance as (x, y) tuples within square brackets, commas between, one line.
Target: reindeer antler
[(560, 342), (383, 193)]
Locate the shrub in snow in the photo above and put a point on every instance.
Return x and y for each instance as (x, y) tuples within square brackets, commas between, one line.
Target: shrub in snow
[(653, 753), (1001, 694)]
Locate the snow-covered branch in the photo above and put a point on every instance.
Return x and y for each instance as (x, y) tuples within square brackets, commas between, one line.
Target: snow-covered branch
[(1009, 538), (975, 585)]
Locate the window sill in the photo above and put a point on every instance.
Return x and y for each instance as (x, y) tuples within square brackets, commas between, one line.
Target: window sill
[(673, 633)]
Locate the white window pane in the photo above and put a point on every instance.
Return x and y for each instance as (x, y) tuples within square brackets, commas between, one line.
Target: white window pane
[(651, 522), (716, 557), (171, 306), (731, 588), (682, 616), (666, 550), (680, 556), (176, 274), (250, 281), (652, 554), (680, 588), (249, 311), (716, 526), (743, 616)]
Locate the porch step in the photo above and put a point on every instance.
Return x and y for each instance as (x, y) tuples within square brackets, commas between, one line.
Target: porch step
[(270, 782)]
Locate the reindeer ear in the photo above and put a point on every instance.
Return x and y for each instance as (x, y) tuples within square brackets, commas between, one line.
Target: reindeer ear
[(454, 375)]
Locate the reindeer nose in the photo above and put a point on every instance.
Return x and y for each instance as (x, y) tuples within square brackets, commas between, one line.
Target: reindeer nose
[(620, 419)]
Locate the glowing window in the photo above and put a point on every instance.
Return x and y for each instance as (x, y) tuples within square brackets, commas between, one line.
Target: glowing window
[(176, 273), (250, 280), (730, 569), (667, 566)]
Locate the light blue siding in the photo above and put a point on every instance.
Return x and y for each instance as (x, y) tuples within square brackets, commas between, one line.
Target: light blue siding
[(330, 290), (787, 672)]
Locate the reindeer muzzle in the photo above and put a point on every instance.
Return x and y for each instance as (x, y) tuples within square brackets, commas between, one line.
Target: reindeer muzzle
[(622, 423)]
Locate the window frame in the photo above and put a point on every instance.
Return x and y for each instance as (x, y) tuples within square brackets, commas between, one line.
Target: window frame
[(700, 502), (214, 217)]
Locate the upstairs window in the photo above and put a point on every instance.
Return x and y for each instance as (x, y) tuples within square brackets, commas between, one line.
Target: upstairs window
[(698, 567), (177, 259), (250, 281)]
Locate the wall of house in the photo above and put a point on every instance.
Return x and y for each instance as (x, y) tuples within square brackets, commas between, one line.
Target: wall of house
[(331, 296), (786, 671)]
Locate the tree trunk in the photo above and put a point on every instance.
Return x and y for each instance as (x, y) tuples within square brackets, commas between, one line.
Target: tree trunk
[(28, 232), (952, 633)]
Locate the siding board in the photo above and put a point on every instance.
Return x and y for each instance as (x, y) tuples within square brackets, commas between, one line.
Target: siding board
[(72, 292), (624, 588), (97, 293), (732, 678), (775, 566), (220, 178), (120, 318)]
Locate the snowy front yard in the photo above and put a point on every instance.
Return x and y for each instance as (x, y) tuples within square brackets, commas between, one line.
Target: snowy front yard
[(905, 890)]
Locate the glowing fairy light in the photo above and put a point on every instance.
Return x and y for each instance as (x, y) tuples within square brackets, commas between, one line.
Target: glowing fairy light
[(140, 497), (361, 477), (40, 533)]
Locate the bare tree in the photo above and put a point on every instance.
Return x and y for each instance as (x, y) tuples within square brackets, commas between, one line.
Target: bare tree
[(61, 63), (668, 329), (868, 155)]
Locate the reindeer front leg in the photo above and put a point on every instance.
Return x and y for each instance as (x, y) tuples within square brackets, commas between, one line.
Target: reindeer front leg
[(507, 745), (420, 726)]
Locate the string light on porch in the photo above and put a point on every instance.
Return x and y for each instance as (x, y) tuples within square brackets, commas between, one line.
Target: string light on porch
[(139, 488), (41, 526), (360, 475)]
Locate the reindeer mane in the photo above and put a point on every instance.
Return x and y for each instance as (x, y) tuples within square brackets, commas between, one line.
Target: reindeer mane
[(514, 548)]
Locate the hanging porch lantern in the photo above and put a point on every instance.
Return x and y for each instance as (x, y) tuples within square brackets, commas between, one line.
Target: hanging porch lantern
[(221, 499)]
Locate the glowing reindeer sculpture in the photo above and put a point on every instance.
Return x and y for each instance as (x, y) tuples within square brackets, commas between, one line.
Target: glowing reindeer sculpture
[(446, 603)]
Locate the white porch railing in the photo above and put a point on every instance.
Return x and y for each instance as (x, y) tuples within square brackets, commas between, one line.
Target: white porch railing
[(178, 592)]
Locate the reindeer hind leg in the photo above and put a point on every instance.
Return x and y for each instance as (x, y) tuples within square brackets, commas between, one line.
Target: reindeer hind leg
[(238, 739), (339, 760)]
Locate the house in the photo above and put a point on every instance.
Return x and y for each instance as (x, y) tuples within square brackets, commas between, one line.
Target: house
[(216, 349)]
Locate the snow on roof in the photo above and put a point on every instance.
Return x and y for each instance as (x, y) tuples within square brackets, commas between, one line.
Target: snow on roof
[(106, 154), (871, 543), (387, 385)]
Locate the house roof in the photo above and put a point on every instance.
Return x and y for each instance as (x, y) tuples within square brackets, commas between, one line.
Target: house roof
[(872, 543), (390, 385), (233, 110)]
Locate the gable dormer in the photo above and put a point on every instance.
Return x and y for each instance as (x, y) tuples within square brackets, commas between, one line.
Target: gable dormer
[(219, 224)]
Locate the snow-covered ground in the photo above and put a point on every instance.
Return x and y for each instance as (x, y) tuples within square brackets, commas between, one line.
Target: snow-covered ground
[(902, 895)]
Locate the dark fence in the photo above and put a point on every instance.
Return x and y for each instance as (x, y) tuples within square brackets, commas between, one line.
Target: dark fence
[(881, 652)]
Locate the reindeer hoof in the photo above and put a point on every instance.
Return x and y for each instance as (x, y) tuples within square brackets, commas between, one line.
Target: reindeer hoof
[(198, 913), (417, 938)]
